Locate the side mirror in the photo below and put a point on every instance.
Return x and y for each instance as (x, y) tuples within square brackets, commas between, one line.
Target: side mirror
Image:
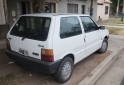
[(102, 27)]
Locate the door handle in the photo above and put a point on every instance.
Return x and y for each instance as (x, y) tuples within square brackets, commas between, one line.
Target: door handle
[(84, 40)]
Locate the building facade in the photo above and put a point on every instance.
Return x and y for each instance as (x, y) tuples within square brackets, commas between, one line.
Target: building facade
[(10, 10), (2, 12), (100, 8)]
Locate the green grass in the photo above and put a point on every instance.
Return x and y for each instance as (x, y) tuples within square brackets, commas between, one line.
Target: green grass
[(115, 21)]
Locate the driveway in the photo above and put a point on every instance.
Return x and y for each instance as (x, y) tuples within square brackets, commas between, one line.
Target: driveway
[(12, 74)]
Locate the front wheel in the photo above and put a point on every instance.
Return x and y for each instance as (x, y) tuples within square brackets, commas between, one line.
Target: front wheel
[(104, 46), (64, 71)]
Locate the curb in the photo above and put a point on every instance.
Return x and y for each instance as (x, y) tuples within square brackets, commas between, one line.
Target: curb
[(91, 78)]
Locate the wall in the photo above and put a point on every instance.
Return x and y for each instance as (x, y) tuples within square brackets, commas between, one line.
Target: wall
[(3, 31), (62, 5), (105, 16), (2, 15), (101, 10), (12, 6)]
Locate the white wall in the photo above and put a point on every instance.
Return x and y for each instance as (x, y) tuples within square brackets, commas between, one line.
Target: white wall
[(101, 11), (106, 16), (62, 5), (2, 15)]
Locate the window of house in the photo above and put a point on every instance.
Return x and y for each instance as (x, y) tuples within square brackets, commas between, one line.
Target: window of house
[(83, 9), (88, 24), (69, 26), (106, 9)]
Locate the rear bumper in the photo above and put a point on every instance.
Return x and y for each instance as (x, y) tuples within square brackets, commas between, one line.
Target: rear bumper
[(33, 64)]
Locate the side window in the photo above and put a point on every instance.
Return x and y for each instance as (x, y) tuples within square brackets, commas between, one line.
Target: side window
[(88, 24), (69, 26)]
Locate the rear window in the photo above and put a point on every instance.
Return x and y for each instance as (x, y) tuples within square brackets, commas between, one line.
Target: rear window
[(36, 28)]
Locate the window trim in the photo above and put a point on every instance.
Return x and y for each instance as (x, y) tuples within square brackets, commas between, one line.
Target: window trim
[(70, 36), (32, 17), (91, 19)]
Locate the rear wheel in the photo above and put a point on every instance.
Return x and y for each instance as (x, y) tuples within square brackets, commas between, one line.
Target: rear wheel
[(104, 46), (64, 71)]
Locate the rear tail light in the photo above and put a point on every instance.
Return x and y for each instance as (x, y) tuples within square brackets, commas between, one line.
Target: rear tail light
[(8, 44), (47, 55)]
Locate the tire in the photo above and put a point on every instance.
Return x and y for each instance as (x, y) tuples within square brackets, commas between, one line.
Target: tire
[(64, 71), (103, 47)]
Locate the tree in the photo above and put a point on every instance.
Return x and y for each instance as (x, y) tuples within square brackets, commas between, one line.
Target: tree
[(38, 6), (114, 5)]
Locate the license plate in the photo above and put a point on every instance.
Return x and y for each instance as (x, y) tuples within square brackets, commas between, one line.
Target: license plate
[(23, 52)]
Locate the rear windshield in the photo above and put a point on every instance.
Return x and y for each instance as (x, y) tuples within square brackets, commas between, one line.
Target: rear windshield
[(36, 28)]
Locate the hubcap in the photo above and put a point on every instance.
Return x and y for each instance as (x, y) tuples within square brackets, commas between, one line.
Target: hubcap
[(66, 70), (104, 46)]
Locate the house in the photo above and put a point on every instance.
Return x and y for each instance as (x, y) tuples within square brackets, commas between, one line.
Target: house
[(10, 10), (100, 8)]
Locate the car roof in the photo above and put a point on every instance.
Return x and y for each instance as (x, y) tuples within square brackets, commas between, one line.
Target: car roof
[(54, 14)]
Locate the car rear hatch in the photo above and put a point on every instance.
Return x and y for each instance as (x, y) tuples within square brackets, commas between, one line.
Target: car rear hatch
[(28, 35)]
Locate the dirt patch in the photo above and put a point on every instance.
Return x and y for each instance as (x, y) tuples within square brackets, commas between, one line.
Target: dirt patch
[(115, 21), (21, 76), (116, 31)]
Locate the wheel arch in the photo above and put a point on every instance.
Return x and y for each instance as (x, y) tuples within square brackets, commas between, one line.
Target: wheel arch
[(106, 37), (71, 56)]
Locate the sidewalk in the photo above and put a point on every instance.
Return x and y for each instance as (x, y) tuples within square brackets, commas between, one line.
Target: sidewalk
[(114, 26), (114, 74), (104, 23)]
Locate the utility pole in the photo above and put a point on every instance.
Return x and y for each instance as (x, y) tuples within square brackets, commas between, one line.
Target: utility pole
[(117, 9), (123, 12)]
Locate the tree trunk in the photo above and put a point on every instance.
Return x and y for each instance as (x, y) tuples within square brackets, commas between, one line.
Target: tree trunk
[(38, 6)]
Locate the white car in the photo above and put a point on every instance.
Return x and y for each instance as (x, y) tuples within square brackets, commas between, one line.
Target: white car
[(53, 43)]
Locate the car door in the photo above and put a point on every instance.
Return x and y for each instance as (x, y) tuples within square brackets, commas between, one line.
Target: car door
[(92, 35), (70, 39)]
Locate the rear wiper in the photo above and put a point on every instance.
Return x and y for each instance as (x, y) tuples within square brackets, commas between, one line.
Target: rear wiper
[(36, 35), (23, 38)]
